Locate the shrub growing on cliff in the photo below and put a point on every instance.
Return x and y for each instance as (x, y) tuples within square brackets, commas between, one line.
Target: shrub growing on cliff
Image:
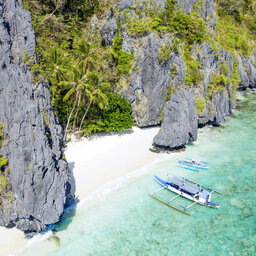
[(165, 52), (170, 90), (193, 76), (224, 68), (124, 59), (234, 25), (3, 161), (3, 180), (200, 105), (138, 27), (190, 28), (218, 83)]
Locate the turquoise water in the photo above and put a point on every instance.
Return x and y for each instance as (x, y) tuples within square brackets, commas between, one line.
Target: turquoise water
[(128, 222)]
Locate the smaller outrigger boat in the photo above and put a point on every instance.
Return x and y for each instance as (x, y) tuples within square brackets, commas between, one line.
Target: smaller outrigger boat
[(188, 163), (187, 189)]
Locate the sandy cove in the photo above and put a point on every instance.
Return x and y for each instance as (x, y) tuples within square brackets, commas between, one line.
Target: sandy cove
[(102, 158), (96, 161)]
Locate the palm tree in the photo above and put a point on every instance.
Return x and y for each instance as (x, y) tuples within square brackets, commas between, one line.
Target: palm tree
[(94, 91), (75, 82), (95, 96), (58, 64)]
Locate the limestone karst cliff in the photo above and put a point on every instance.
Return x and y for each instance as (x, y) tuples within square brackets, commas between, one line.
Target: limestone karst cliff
[(157, 85), (39, 183), (177, 76)]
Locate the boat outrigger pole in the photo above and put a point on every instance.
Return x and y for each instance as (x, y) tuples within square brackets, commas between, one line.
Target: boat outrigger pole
[(169, 205), (204, 187)]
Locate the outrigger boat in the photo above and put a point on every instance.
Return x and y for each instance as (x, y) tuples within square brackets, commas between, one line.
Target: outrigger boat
[(192, 163), (188, 189)]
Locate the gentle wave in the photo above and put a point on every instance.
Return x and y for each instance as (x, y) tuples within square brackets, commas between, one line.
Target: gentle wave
[(36, 239), (113, 185)]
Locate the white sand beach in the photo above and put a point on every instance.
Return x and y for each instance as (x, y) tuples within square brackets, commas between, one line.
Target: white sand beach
[(11, 240), (103, 158), (96, 161)]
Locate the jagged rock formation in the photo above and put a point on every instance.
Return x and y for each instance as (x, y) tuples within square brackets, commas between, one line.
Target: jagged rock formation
[(152, 79), (247, 71), (39, 178), (180, 121), (109, 28)]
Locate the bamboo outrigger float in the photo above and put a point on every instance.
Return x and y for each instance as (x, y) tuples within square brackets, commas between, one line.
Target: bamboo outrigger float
[(187, 189)]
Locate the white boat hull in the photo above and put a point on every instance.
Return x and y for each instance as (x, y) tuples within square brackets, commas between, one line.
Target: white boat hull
[(199, 200)]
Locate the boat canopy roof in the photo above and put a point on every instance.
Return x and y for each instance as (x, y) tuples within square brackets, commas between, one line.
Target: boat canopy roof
[(185, 185), (177, 181), (191, 188), (204, 194)]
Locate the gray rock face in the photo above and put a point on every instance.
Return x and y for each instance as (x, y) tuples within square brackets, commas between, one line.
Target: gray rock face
[(125, 4), (180, 121), (247, 72), (151, 80), (222, 107), (218, 109), (108, 30), (205, 9), (157, 88), (40, 180)]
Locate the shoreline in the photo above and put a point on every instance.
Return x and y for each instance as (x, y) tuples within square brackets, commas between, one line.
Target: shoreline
[(11, 240), (96, 162)]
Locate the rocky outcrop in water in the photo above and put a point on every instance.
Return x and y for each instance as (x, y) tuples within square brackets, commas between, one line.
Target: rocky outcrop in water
[(41, 184), (180, 121)]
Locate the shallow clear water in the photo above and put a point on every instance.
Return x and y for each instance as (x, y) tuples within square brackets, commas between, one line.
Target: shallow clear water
[(128, 222)]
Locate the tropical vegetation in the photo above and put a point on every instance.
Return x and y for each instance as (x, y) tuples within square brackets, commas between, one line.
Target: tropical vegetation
[(83, 74), (86, 76)]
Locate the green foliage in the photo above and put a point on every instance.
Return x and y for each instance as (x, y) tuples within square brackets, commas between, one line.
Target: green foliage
[(169, 11), (3, 180), (167, 48), (169, 92), (221, 80), (79, 8), (190, 28), (218, 83), (1, 133), (165, 52), (37, 69), (235, 25), (115, 117), (198, 6), (124, 59), (3, 161), (224, 68), (81, 71), (138, 27), (174, 70), (3, 183), (200, 105), (193, 76), (242, 10)]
